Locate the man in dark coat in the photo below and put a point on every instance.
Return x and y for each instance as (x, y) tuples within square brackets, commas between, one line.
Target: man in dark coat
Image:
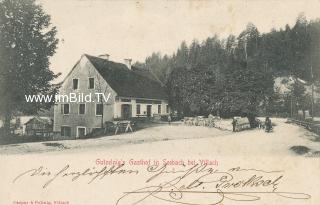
[(268, 124), (234, 123)]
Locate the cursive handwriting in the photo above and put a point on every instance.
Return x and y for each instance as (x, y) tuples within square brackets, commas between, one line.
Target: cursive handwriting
[(201, 184), (92, 173), (188, 185)]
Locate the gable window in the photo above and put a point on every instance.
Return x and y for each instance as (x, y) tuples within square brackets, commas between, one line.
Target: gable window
[(82, 109), (65, 131), (65, 109), (91, 83), (75, 83), (99, 109), (159, 109), (138, 109)]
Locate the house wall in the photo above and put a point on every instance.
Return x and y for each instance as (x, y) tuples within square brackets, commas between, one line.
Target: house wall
[(143, 107), (82, 71)]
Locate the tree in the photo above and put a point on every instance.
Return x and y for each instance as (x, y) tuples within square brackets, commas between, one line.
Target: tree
[(314, 32), (301, 47), (181, 58), (249, 84), (297, 91), (27, 40), (194, 54), (235, 76), (177, 90)]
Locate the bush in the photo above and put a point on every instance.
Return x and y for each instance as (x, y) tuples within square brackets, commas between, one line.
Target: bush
[(300, 149)]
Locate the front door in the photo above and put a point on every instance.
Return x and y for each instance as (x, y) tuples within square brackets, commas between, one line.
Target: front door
[(81, 132), (126, 111), (149, 110)]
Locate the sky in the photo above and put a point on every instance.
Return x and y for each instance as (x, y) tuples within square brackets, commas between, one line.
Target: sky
[(135, 29)]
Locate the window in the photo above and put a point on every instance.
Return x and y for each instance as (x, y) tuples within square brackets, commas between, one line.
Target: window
[(65, 131), (75, 84), (159, 109), (99, 109), (91, 83), (167, 108), (138, 109), (82, 109), (65, 109)]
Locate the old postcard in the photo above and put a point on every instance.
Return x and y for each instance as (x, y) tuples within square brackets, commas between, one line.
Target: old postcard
[(106, 102)]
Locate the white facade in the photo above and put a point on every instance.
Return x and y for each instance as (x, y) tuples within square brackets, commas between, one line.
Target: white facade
[(116, 107), (143, 108)]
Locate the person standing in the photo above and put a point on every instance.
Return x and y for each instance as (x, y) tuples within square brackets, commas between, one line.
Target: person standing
[(169, 119), (234, 123), (268, 124)]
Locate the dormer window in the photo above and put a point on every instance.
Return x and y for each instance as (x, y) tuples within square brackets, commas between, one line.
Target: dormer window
[(75, 83), (91, 83)]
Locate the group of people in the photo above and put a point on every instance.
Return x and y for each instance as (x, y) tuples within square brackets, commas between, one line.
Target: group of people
[(267, 124)]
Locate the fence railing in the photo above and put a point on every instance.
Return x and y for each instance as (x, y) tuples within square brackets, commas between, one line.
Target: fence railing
[(311, 126)]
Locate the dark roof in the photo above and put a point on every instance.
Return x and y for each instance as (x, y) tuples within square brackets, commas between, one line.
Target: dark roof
[(128, 83), (43, 120), (146, 73)]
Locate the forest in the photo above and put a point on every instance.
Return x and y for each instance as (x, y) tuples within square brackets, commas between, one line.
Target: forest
[(236, 75)]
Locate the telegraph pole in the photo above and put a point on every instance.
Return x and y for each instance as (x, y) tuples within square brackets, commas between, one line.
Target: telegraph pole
[(291, 111), (312, 94)]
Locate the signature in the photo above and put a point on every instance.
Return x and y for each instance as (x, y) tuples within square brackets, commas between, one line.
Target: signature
[(201, 184), (194, 185), (93, 173)]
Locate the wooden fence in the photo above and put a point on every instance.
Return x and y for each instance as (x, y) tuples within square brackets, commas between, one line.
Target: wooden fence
[(311, 126)]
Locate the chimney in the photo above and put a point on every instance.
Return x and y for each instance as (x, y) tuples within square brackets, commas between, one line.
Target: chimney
[(127, 61), (104, 56)]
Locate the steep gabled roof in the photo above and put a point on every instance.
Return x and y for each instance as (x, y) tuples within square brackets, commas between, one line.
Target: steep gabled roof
[(146, 73), (128, 83), (44, 120)]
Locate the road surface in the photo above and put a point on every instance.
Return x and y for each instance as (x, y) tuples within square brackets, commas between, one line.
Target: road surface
[(183, 139)]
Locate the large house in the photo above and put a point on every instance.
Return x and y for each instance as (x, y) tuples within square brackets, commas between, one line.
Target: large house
[(127, 92)]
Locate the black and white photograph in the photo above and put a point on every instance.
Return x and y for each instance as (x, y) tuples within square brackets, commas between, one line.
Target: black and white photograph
[(163, 102)]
